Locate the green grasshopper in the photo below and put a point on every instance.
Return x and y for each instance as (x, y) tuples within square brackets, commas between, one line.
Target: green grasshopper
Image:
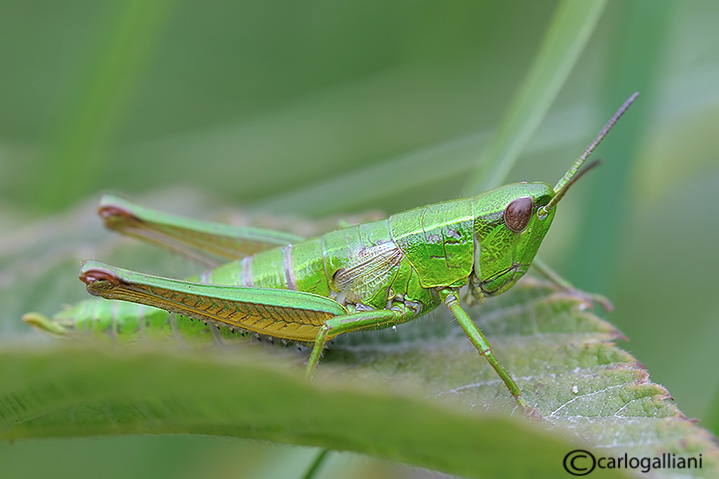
[(369, 276)]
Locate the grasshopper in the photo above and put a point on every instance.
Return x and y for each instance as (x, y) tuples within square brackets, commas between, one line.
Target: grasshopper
[(368, 276)]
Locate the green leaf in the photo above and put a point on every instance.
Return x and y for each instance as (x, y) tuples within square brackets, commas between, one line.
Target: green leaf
[(419, 394), (564, 40), (122, 46)]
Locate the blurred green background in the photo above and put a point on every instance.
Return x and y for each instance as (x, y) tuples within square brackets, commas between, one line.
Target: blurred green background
[(326, 107)]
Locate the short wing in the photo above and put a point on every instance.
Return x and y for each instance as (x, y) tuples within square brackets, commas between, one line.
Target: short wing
[(370, 271)]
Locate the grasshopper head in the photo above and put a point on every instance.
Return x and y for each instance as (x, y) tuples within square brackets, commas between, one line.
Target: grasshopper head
[(509, 227), (511, 221)]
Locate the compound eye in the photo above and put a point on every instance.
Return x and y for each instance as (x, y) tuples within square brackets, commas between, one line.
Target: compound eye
[(518, 213)]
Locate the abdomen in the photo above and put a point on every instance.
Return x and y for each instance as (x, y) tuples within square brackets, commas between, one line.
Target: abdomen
[(361, 264)]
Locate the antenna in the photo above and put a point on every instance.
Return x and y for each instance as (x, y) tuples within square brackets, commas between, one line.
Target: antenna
[(569, 177)]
